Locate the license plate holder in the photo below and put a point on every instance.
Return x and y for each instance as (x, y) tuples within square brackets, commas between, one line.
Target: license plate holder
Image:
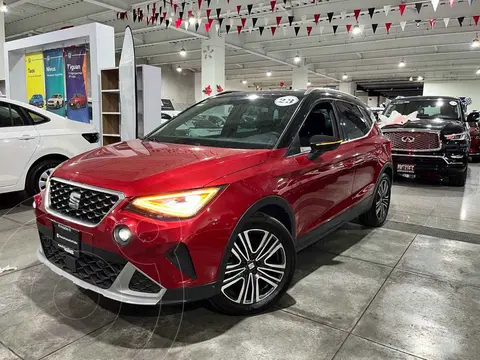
[(406, 168), (67, 239)]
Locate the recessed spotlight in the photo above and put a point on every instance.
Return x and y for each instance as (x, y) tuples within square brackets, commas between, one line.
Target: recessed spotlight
[(309, 83), (420, 78), (401, 64), (179, 68), (478, 72), (268, 73), (3, 8), (345, 77), (411, 78), (297, 58), (244, 82), (475, 43), (183, 53), (356, 30)]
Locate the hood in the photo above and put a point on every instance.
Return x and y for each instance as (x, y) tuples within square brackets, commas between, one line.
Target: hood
[(139, 167), (442, 125)]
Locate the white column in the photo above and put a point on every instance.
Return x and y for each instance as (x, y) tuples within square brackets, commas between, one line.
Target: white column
[(349, 87), (2, 45), (299, 78), (213, 63)]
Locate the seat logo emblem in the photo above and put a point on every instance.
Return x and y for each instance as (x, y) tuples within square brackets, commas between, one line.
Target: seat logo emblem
[(74, 200), (408, 139)]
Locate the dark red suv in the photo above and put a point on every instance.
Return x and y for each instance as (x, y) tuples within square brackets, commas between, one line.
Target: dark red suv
[(216, 203)]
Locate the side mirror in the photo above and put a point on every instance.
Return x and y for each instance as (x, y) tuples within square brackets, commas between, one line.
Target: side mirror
[(321, 144)]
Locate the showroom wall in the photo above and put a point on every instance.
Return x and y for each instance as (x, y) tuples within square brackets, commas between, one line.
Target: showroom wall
[(178, 87), (468, 88)]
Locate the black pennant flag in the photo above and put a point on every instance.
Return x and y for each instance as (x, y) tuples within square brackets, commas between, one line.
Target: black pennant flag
[(418, 6), (208, 3), (249, 8), (167, 22), (227, 28), (335, 27), (261, 28), (290, 20), (180, 14), (330, 16), (164, 3), (140, 16), (460, 20), (374, 28), (254, 21), (156, 16), (297, 29), (371, 11), (161, 20), (183, 6), (220, 21), (218, 10), (134, 15), (285, 2)]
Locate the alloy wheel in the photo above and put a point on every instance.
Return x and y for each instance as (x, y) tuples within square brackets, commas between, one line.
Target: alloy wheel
[(42, 180), (382, 199), (256, 267)]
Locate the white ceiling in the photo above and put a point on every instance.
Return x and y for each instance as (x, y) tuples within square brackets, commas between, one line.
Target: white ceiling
[(370, 60)]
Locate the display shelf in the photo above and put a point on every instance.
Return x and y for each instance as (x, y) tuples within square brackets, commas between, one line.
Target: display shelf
[(108, 140), (113, 91), (109, 79), (110, 112), (112, 135)]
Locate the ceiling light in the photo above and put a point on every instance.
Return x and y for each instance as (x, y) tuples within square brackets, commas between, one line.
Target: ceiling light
[(401, 64), (345, 77), (244, 82), (3, 8), (411, 78), (309, 83), (475, 43), (297, 58), (356, 30), (192, 20), (179, 69), (478, 72), (183, 53), (268, 73), (420, 78)]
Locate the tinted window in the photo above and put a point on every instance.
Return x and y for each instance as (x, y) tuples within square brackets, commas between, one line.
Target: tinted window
[(17, 119), (5, 119), (37, 119), (351, 121), (319, 122), (426, 108)]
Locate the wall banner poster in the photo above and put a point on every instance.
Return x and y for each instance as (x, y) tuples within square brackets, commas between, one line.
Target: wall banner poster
[(55, 81), (76, 75), (35, 82)]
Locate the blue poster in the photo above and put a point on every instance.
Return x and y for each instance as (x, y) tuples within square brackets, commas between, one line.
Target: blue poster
[(76, 81), (55, 81)]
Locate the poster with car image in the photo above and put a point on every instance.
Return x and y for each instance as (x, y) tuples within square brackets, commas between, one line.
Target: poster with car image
[(35, 83), (76, 83), (55, 81)]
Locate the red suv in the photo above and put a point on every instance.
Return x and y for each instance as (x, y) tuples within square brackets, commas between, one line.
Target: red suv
[(77, 101), (216, 202)]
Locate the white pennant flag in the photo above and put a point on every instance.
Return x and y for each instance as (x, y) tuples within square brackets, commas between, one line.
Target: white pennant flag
[(386, 8), (217, 27), (260, 6), (435, 4), (321, 29), (284, 28), (361, 27), (186, 24), (446, 21), (402, 25), (250, 29), (266, 21), (228, 13), (231, 23), (343, 14), (304, 18), (199, 21)]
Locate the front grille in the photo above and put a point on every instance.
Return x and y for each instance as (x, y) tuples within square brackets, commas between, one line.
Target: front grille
[(413, 141), (85, 205), (88, 267), (141, 283)]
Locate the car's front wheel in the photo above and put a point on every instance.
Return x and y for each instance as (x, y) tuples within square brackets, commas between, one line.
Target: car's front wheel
[(259, 269), (377, 214)]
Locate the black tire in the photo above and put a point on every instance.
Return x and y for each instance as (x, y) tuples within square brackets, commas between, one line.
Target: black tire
[(261, 227), (32, 186), (458, 180), (372, 217)]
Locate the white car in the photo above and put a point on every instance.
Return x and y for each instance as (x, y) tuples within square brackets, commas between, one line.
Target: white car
[(56, 101), (34, 141)]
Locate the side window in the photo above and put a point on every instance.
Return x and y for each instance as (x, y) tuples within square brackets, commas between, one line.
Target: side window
[(368, 116), (320, 121), (5, 119), (351, 121), (37, 119), (17, 119)]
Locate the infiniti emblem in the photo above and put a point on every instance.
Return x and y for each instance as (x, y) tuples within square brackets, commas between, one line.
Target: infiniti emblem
[(408, 139), (74, 200)]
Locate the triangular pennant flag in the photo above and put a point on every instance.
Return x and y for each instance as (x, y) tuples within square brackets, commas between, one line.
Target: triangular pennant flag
[(374, 28), (244, 21), (433, 22), (402, 7), (250, 29), (178, 22), (460, 20), (335, 27), (239, 29), (134, 15), (273, 29), (356, 13), (476, 18), (343, 14), (180, 14), (254, 21), (210, 21), (164, 3), (199, 20), (418, 6), (388, 26), (297, 29), (309, 30), (330, 16), (207, 27), (227, 28), (371, 11), (362, 27), (161, 19), (238, 9), (249, 8), (208, 3), (284, 28), (316, 17), (321, 28), (452, 2), (220, 21), (217, 27), (290, 20), (402, 25), (260, 29), (218, 10), (196, 26), (190, 13), (199, 4), (386, 8), (265, 20), (231, 22), (208, 11), (272, 5), (175, 8), (228, 13), (278, 18), (446, 21), (185, 23), (167, 22), (435, 4), (348, 26), (183, 6)]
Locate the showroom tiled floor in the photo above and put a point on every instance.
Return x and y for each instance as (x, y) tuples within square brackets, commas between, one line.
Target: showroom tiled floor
[(409, 290)]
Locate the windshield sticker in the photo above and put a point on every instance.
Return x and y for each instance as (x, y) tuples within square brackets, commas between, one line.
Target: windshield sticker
[(396, 118), (453, 103), (286, 100)]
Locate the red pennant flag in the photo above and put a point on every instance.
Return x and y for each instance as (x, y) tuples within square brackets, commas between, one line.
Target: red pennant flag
[(476, 18), (239, 29), (199, 4), (309, 30), (388, 26), (433, 22), (452, 2), (207, 27), (208, 13), (402, 8), (357, 13), (316, 17), (175, 8), (210, 22), (348, 27), (243, 20), (272, 5), (238, 9), (273, 28), (279, 18), (178, 22), (190, 13)]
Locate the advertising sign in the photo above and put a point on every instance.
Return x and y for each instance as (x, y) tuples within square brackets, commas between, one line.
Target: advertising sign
[(35, 82), (76, 83), (55, 81)]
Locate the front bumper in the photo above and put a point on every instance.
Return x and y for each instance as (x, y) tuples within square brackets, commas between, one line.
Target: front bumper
[(438, 165)]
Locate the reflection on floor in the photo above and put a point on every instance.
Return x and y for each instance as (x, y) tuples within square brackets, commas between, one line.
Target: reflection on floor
[(409, 290)]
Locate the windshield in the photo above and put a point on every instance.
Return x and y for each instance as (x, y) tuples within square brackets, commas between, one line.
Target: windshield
[(253, 121), (426, 108)]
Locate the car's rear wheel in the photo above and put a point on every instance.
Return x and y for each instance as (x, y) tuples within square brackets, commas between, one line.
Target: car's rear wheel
[(38, 175), (377, 214), (259, 269)]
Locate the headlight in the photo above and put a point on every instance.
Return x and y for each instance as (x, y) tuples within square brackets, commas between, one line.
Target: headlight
[(459, 136), (183, 204)]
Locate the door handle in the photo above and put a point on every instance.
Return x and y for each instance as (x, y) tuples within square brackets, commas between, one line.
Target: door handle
[(27, 137)]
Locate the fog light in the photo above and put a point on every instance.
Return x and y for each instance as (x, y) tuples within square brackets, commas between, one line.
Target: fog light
[(122, 234)]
